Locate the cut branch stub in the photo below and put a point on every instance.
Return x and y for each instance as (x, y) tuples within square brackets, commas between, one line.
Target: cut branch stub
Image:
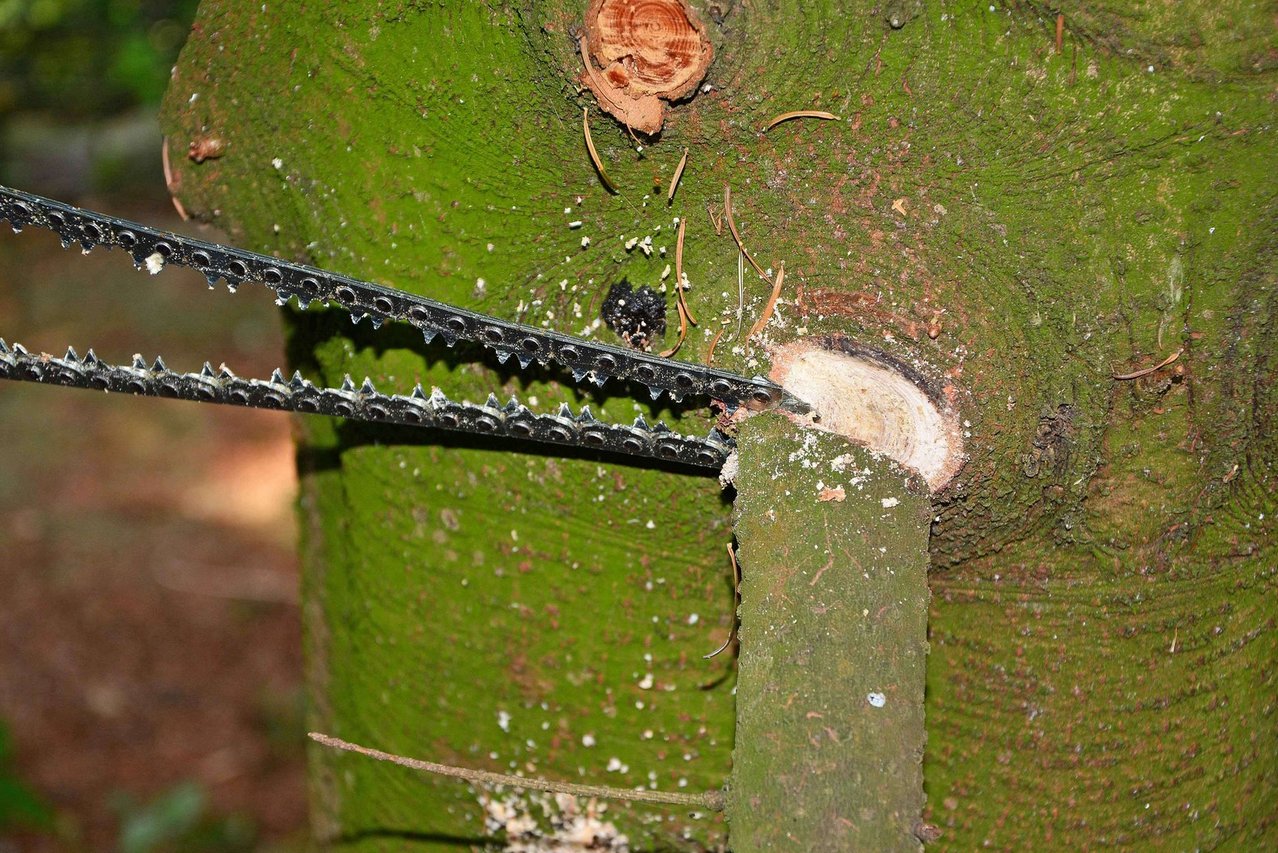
[(639, 53), (874, 400)]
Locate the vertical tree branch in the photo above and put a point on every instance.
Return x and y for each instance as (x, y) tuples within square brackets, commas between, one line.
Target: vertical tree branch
[(834, 597)]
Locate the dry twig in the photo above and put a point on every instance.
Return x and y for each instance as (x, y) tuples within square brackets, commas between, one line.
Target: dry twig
[(711, 800)]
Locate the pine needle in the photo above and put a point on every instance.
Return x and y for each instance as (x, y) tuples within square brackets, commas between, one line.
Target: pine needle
[(594, 155), (683, 330), (736, 336), (1148, 370), (772, 303), (683, 224), (685, 314), (714, 342), (732, 226), (736, 575), (821, 114), (717, 223), (678, 173)]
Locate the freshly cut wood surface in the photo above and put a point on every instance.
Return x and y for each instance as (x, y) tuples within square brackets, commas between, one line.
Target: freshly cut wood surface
[(647, 51)]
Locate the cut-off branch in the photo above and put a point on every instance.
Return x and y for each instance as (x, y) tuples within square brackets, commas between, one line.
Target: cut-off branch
[(709, 800)]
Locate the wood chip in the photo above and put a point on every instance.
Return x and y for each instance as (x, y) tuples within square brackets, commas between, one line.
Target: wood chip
[(838, 493), (205, 148)]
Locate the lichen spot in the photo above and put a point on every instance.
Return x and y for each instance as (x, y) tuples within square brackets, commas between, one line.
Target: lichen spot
[(641, 53), (870, 399)]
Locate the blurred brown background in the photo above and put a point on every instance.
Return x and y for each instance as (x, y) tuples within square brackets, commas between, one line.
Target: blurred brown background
[(150, 650)]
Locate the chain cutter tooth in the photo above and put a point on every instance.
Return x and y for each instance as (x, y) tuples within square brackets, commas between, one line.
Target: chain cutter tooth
[(154, 249)]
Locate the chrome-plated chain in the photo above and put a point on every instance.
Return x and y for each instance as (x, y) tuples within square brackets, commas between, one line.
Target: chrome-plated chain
[(585, 359), (363, 403)]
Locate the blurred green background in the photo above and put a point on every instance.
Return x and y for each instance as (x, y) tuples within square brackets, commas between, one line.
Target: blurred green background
[(84, 59), (80, 81), (150, 649)]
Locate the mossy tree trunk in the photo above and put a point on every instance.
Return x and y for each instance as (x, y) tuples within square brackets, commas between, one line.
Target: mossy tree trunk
[(1024, 220)]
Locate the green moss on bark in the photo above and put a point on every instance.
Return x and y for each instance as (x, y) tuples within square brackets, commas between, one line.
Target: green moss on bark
[(486, 606), (1053, 217)]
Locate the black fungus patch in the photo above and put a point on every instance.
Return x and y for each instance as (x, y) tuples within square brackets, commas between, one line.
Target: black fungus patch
[(636, 315)]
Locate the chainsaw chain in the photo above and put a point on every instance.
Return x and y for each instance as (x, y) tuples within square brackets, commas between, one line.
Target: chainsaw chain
[(364, 403), (156, 248)]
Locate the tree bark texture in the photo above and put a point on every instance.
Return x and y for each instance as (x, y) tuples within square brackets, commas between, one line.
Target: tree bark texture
[(829, 736), (1019, 220)]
